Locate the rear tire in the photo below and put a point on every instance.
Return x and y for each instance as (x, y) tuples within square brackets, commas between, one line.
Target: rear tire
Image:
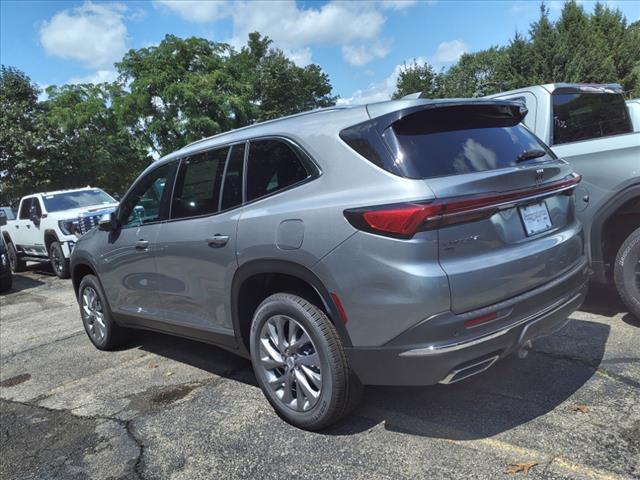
[(305, 377), (15, 263), (59, 263), (626, 273), (102, 330)]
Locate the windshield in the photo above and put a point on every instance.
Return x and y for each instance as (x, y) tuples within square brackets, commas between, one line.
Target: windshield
[(583, 116), (79, 199)]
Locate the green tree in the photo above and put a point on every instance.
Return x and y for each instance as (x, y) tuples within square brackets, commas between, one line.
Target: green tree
[(87, 142), (476, 74), (180, 91), (417, 77), (186, 89), (22, 138), (544, 38)]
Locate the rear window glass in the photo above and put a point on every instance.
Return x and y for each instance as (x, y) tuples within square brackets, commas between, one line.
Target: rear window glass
[(583, 116), (450, 141)]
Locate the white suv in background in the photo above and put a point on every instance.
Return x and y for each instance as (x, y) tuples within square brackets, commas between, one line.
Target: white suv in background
[(47, 226)]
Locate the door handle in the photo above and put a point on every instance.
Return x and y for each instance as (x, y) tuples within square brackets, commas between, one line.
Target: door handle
[(218, 240), (142, 245)]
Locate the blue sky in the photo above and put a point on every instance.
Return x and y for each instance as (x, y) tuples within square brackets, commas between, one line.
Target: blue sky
[(361, 45)]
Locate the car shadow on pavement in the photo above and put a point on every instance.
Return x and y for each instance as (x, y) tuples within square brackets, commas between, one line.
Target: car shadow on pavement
[(603, 300), (21, 282), (513, 392), (196, 354)]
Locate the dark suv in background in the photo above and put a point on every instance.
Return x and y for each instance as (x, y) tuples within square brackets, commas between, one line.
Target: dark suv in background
[(408, 242)]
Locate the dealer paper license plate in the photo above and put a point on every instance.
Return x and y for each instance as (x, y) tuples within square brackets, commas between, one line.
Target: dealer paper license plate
[(535, 218)]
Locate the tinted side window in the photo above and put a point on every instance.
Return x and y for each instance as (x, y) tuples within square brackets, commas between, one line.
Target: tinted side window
[(25, 208), (232, 190), (272, 166), (582, 116), (35, 207), (197, 190), (147, 201)]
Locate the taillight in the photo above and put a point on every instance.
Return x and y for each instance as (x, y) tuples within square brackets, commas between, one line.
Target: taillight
[(405, 219)]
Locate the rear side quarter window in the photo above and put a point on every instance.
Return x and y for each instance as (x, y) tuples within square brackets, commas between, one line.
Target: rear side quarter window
[(272, 166), (585, 116)]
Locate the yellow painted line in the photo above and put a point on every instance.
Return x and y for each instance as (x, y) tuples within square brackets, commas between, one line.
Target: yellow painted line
[(523, 453)]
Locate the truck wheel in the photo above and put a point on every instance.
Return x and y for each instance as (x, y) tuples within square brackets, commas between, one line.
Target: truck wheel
[(102, 330), (626, 273), (300, 363), (59, 263), (17, 265)]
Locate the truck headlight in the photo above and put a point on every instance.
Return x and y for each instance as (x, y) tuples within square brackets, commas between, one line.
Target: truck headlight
[(3, 258), (68, 227)]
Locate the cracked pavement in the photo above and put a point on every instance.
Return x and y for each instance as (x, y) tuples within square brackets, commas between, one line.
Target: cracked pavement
[(165, 407)]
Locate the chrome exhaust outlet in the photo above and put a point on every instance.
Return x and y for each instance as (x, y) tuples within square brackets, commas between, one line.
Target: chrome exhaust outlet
[(523, 351), (467, 371)]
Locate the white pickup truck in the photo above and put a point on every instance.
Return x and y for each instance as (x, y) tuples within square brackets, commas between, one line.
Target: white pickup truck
[(592, 128), (47, 226)]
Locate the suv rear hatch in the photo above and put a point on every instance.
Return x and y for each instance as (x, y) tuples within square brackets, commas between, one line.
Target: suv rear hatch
[(503, 210)]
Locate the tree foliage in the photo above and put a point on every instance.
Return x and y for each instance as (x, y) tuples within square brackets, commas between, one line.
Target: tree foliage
[(166, 96), (596, 47)]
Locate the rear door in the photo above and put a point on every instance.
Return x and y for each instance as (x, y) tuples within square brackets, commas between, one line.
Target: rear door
[(508, 222)]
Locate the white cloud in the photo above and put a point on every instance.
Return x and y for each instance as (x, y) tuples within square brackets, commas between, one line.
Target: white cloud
[(200, 11), (294, 28), (449, 52), (300, 56), (400, 4), (99, 76), (94, 34), (359, 55), (380, 91)]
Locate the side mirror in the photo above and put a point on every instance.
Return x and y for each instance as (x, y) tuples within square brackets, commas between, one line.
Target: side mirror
[(108, 222), (3, 219), (35, 219)]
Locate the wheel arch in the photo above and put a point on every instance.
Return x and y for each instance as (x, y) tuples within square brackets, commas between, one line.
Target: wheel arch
[(50, 236), (7, 237), (604, 236), (78, 271), (254, 273)]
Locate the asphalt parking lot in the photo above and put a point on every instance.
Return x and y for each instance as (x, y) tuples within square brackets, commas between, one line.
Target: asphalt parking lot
[(171, 408)]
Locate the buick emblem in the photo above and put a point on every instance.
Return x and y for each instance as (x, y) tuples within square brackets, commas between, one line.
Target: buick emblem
[(539, 175)]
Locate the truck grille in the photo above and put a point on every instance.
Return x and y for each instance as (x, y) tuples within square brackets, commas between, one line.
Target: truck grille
[(87, 223)]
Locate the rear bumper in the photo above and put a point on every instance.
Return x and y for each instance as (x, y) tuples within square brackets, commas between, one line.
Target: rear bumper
[(415, 358)]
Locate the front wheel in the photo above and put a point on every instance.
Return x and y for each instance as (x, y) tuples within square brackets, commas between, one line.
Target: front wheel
[(98, 322), (59, 263), (16, 264), (300, 363), (626, 272)]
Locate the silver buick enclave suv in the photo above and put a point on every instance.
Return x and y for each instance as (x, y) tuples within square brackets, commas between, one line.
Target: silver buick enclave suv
[(408, 242)]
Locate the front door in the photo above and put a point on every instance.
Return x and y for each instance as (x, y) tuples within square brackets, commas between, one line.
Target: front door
[(130, 277), (197, 247)]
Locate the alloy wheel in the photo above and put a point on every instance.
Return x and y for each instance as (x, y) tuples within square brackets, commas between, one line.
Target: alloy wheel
[(56, 260), (290, 363), (93, 314)]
